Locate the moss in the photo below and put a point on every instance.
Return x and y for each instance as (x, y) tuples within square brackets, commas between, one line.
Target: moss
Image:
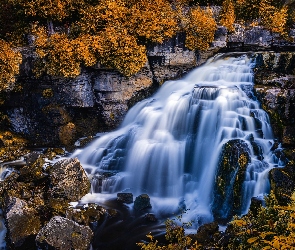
[(12, 147), (58, 206), (67, 134), (51, 153), (33, 172), (47, 93), (112, 116), (86, 216), (229, 179)]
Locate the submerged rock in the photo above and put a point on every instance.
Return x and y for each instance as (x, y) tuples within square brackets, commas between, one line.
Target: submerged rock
[(230, 175), (142, 202), (125, 197), (62, 233)]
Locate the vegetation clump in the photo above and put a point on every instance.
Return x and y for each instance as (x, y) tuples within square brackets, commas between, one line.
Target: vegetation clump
[(68, 35)]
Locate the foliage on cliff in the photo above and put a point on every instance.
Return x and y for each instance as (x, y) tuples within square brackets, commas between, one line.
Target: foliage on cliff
[(9, 64), (227, 15), (200, 29), (71, 34)]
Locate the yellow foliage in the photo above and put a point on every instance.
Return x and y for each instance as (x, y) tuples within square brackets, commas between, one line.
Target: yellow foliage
[(117, 49), (9, 65), (154, 20), (273, 18), (273, 227), (58, 54), (227, 15), (108, 13), (48, 9), (200, 30)]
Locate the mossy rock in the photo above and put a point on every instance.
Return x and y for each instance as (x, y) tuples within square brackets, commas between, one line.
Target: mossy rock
[(230, 175), (12, 147), (87, 215), (282, 181)]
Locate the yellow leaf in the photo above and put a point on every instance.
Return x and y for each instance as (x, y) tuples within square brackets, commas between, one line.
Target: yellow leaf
[(253, 239)]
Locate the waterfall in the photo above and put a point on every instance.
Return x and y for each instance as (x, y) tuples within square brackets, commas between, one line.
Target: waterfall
[(169, 145)]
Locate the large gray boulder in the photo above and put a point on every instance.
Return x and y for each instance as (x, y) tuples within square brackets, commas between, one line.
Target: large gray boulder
[(62, 233), (23, 223), (68, 180)]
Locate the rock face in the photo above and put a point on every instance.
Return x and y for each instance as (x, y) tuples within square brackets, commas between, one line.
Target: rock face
[(61, 233), (229, 178), (52, 111), (282, 181), (275, 89)]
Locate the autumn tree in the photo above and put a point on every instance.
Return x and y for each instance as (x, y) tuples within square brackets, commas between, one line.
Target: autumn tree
[(47, 11), (274, 18), (152, 20), (227, 15), (200, 29), (9, 65), (247, 10)]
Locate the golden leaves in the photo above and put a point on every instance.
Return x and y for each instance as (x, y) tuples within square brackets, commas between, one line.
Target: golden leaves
[(227, 15), (200, 29), (9, 64), (273, 18)]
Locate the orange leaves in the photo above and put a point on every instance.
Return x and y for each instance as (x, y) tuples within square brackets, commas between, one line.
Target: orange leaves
[(9, 65), (108, 13), (200, 29), (227, 15), (120, 51), (152, 19), (274, 18), (48, 9)]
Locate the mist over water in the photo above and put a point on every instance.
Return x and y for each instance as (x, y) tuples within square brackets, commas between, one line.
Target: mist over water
[(169, 145)]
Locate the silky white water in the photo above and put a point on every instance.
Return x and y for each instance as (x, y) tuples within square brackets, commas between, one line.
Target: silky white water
[(169, 145)]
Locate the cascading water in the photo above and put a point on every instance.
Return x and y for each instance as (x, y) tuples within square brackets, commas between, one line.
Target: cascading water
[(169, 145)]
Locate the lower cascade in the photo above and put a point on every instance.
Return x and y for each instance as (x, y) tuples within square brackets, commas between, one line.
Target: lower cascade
[(201, 143)]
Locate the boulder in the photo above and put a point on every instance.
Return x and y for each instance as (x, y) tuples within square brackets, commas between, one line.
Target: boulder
[(68, 180), (230, 175), (23, 224), (142, 202), (125, 197), (206, 232), (256, 204), (62, 233), (282, 181)]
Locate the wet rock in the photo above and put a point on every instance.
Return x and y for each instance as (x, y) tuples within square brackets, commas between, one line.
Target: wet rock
[(256, 204), (87, 215), (282, 181), (23, 223), (125, 197), (206, 233), (34, 171), (150, 217), (68, 180), (62, 233), (142, 202), (230, 174), (274, 86)]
